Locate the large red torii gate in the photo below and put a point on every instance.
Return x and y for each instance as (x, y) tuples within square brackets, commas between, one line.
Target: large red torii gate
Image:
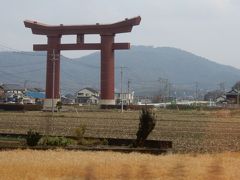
[(107, 47)]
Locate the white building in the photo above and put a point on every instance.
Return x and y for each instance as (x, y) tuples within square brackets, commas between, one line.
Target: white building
[(126, 97), (11, 92), (87, 96)]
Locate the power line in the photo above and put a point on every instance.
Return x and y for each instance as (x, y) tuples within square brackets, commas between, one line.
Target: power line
[(20, 51), (19, 65), (24, 72), (72, 61), (72, 78)]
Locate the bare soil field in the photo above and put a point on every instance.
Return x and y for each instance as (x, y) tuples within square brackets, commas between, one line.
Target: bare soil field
[(190, 131), (62, 164)]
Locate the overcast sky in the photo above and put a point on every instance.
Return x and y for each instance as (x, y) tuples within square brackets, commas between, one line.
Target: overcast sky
[(209, 28)]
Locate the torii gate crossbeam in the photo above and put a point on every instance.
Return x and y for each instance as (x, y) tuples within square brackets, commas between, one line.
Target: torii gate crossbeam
[(107, 47)]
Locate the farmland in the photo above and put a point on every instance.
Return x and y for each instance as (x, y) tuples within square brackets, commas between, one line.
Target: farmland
[(190, 131)]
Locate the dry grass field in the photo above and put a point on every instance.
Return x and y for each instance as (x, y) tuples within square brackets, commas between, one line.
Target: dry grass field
[(190, 131), (108, 165)]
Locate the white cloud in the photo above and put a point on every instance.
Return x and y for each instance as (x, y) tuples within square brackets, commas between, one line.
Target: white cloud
[(222, 4)]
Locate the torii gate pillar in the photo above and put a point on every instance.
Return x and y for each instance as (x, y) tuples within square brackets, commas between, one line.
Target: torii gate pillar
[(107, 47), (107, 70), (53, 72)]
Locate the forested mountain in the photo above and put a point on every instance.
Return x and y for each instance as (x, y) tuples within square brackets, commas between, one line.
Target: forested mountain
[(147, 69)]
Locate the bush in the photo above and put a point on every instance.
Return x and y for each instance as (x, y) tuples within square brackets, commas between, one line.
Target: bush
[(55, 141), (32, 138), (87, 142), (146, 125), (80, 133), (184, 107), (59, 105)]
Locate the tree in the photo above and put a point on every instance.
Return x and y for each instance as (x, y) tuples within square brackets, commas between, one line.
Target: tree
[(146, 125), (59, 105), (236, 86), (213, 95)]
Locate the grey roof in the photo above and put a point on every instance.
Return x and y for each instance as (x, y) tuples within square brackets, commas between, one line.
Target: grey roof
[(69, 96), (10, 87), (35, 89), (90, 89), (233, 92)]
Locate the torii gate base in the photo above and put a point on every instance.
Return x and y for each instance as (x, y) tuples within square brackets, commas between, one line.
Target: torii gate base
[(49, 103), (107, 47)]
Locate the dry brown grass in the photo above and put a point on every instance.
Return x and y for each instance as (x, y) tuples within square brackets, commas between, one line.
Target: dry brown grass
[(108, 165)]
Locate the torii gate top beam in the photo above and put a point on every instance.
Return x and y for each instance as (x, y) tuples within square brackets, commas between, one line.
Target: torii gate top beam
[(119, 27)]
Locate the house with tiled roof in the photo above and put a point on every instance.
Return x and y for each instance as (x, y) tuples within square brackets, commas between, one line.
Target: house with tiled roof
[(11, 92), (87, 96), (233, 96)]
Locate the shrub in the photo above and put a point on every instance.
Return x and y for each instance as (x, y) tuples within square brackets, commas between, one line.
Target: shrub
[(146, 125), (59, 105), (80, 133), (55, 141), (87, 142), (32, 138)]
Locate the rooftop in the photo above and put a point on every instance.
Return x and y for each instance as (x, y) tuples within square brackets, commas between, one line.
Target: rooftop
[(9, 87)]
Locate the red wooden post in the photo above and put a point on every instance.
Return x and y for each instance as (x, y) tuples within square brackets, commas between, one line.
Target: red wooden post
[(107, 70), (53, 71)]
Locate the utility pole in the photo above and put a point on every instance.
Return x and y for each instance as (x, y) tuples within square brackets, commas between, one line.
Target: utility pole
[(237, 95), (222, 86), (160, 87), (121, 94), (169, 89), (121, 89), (25, 85), (128, 90), (196, 91), (163, 88), (48, 122), (53, 80)]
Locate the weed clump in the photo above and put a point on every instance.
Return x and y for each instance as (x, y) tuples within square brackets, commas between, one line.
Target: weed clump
[(59, 105), (79, 132), (55, 141), (32, 138)]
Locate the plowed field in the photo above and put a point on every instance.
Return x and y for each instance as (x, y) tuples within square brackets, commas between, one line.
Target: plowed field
[(190, 131)]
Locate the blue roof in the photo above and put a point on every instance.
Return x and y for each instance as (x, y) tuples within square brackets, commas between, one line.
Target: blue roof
[(31, 94)]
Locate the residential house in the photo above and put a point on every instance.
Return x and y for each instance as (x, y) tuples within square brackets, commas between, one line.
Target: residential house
[(34, 96), (127, 98), (12, 93), (233, 96), (221, 99), (1, 93), (68, 99), (87, 96)]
